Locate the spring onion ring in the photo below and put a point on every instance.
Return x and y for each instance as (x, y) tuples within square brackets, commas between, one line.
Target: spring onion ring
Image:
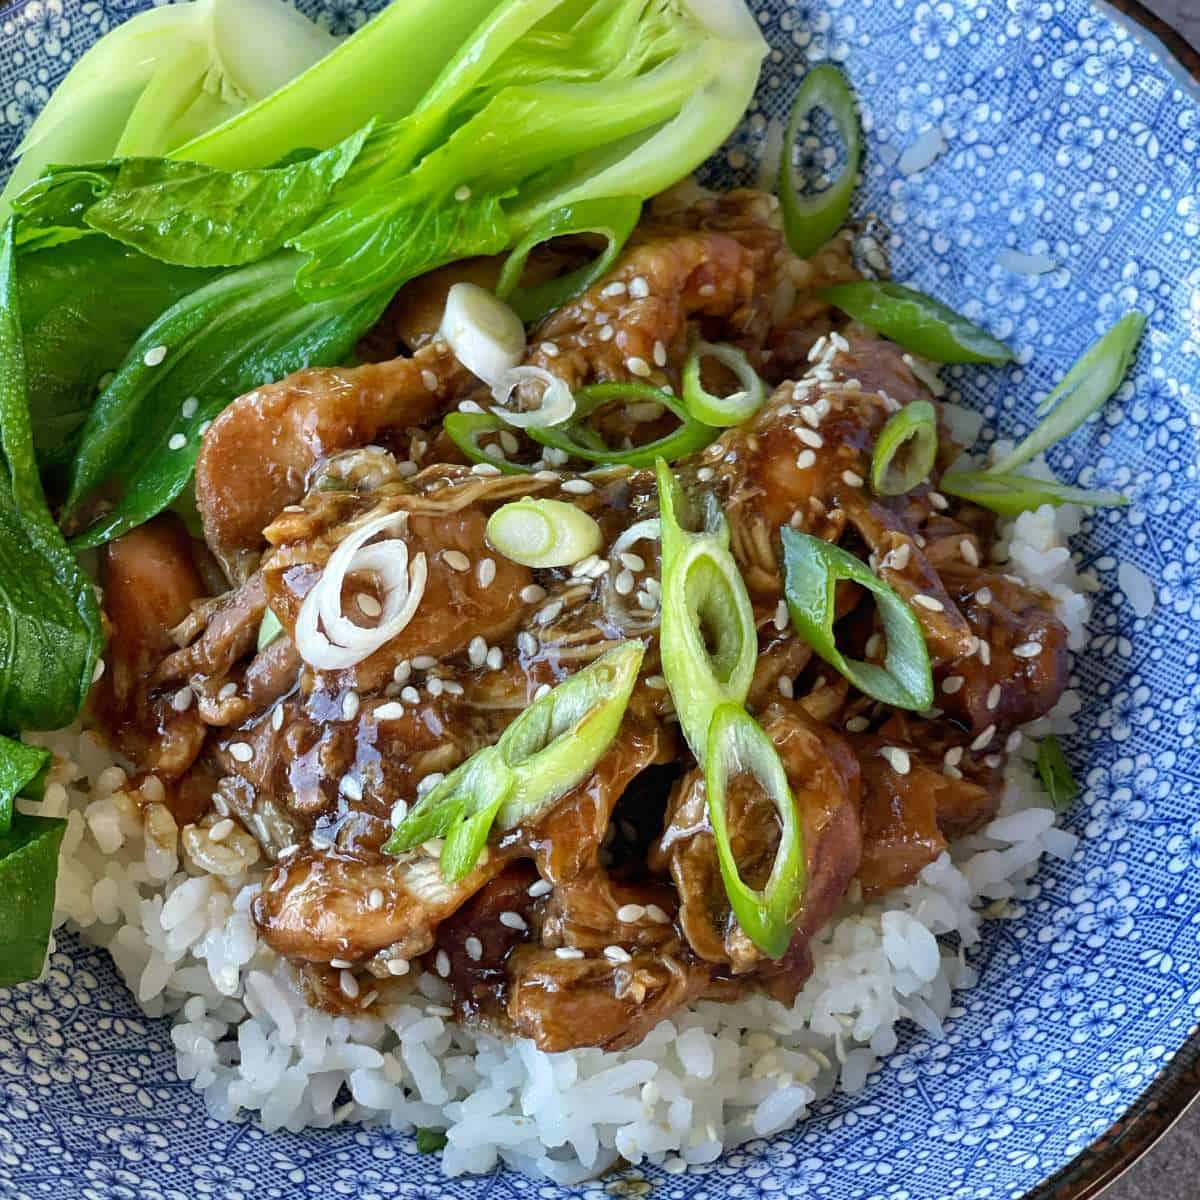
[(612, 219), (813, 569), (906, 450), (486, 336), (810, 221), (690, 437), (721, 411), (1084, 389), (736, 744), (557, 404), (704, 604), (917, 322), (543, 533), (1056, 774), (1011, 495)]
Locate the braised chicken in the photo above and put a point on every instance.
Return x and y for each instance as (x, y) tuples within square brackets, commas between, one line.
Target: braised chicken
[(587, 923)]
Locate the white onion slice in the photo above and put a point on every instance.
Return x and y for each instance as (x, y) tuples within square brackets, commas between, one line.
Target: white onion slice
[(342, 643), (487, 337), (557, 406)]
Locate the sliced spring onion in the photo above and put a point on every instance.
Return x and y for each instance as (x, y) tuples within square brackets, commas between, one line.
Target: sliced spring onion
[(737, 744), (690, 437), (556, 405), (708, 637), (1011, 495), (269, 630), (813, 569), (612, 219), (722, 411), (543, 533), (486, 336), (549, 749), (917, 322), (906, 450), (1056, 774), (1084, 389), (466, 429), (810, 221)]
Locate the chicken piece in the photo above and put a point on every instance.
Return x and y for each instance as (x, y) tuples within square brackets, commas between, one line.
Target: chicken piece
[(564, 1004), (318, 906), (228, 628), (284, 429), (150, 582), (823, 774)]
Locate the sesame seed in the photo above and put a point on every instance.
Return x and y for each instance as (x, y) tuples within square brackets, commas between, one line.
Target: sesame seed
[(578, 487), (410, 695), (1028, 649), (399, 811), (543, 690), (939, 501), (653, 587), (983, 597), (568, 952), (806, 459), (477, 651), (435, 686), (532, 594), (203, 427), (456, 560), (441, 963), (985, 653), (375, 900), (809, 415), (221, 830), (993, 696), (616, 288), (403, 671), (657, 914), (984, 738), (188, 408), (629, 913), (606, 333), (452, 688), (551, 612), (277, 717), (368, 604), (656, 683), (993, 761), (852, 478), (527, 644), (350, 705), (1013, 743), (513, 920), (897, 759), (930, 602), (874, 645), (509, 442), (540, 887), (485, 469), (705, 474), (660, 354), (810, 438), (397, 966), (952, 683), (953, 756), (392, 711), (966, 548), (617, 954), (182, 700), (465, 406), (897, 560), (243, 752), (635, 562), (550, 349), (639, 289), (351, 788), (154, 356), (176, 441), (485, 572), (348, 985), (495, 658), (646, 601), (462, 193), (423, 662), (952, 772), (781, 615), (786, 687), (637, 366), (625, 583), (857, 725)]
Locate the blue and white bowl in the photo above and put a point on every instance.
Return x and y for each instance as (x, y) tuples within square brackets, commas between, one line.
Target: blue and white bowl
[(1071, 135)]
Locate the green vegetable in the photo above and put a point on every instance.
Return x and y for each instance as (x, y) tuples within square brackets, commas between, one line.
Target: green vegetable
[(466, 430), (245, 328), (22, 770), (707, 633), (614, 220), (430, 1141), (737, 744), (28, 869), (1084, 389), (1011, 495), (549, 749), (917, 322), (50, 632), (1056, 774), (810, 221), (722, 411), (906, 450), (543, 533), (270, 628), (813, 569), (690, 437), (188, 214), (164, 76)]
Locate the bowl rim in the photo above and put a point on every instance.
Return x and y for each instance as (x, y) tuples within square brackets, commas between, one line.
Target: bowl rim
[(1177, 1086)]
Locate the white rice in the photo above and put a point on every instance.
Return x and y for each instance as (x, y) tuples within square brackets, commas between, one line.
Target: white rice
[(705, 1080)]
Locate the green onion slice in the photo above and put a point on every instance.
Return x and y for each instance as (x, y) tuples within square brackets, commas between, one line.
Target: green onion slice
[(549, 749), (707, 634), (613, 219), (736, 744), (1011, 495), (722, 411), (580, 441), (906, 450), (466, 430), (1084, 389), (269, 630), (813, 569), (1056, 774), (543, 533), (810, 221), (917, 322)]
